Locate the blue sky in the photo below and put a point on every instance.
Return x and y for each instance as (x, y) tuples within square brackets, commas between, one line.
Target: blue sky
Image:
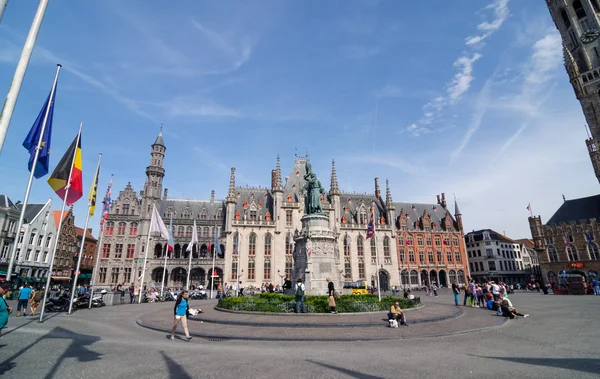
[(471, 100)]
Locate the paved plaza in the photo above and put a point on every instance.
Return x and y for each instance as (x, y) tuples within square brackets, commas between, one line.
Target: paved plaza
[(560, 339)]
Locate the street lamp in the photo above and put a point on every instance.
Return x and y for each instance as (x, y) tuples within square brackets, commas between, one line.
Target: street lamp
[(239, 282)]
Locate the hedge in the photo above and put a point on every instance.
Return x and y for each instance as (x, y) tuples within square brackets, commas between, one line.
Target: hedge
[(279, 303)]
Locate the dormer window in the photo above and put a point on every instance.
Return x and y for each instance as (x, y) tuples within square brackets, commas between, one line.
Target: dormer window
[(486, 236)]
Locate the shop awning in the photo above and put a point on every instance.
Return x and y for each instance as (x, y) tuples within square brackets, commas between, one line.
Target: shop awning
[(84, 276), (60, 278)]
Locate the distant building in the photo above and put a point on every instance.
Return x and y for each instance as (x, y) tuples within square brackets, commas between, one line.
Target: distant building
[(9, 219), (569, 240), (531, 262), (493, 256), (66, 249), (88, 257)]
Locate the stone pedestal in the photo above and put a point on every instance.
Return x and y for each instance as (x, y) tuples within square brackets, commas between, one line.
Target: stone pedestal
[(316, 256)]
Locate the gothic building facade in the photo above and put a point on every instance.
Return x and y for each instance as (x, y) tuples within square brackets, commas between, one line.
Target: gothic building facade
[(568, 241), (414, 244)]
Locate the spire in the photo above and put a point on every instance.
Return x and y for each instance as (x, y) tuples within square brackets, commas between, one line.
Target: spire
[(231, 192), (389, 203), (159, 139), (276, 185), (335, 189), (456, 210)]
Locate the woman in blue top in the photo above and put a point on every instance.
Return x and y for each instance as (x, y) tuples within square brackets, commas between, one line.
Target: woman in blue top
[(5, 310), (181, 310)]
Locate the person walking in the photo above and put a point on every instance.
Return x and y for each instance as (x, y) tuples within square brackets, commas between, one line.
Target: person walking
[(131, 293), (23, 300), (181, 311), (455, 292), (596, 286), (5, 310), (435, 289), (36, 297), (299, 291), (331, 300)]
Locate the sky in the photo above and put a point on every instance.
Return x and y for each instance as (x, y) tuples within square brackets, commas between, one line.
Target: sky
[(462, 97)]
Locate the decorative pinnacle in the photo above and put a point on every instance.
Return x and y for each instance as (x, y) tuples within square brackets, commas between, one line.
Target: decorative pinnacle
[(277, 185), (335, 189), (389, 203), (456, 210), (231, 192)]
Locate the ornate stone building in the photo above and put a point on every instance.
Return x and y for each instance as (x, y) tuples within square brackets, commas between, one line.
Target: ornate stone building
[(256, 227), (88, 257), (67, 244), (569, 239)]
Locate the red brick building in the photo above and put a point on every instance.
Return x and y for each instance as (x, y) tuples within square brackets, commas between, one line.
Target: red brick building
[(89, 255)]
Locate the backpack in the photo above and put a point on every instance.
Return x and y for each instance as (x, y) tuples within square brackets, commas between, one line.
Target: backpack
[(299, 290)]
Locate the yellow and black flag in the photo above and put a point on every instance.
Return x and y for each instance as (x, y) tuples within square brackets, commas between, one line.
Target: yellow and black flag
[(94, 189)]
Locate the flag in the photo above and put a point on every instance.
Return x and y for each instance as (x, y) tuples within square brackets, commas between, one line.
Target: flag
[(33, 137), (170, 242), (371, 227), (158, 224), (216, 243), (214, 274), (567, 243), (93, 191), (589, 237), (69, 165), (194, 238), (291, 237), (309, 252), (348, 239), (407, 242), (445, 242), (107, 204), (529, 207)]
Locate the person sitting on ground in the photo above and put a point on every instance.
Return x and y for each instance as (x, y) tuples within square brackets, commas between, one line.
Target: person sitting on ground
[(510, 312), (397, 314)]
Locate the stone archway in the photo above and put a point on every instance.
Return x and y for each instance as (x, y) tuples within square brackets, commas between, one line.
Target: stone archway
[(425, 278), (443, 278), (203, 251), (216, 278), (157, 274), (384, 280), (178, 277), (158, 250), (197, 276), (434, 277), (177, 252)]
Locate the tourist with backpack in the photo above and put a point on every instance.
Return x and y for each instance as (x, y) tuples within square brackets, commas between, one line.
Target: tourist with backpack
[(299, 291)]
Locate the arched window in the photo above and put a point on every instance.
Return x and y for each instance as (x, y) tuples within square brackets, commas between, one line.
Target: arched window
[(121, 229), (461, 277), (346, 246), (363, 216), (252, 244), (572, 253), (552, 278), (180, 231), (268, 244), (579, 11), (289, 248), (373, 248), (188, 231), (359, 246), (177, 251), (205, 232), (565, 18), (452, 276), (133, 229), (110, 227), (405, 278), (386, 247), (414, 277), (552, 254), (594, 251)]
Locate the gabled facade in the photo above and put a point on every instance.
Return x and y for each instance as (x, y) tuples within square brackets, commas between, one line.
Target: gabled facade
[(66, 249), (9, 219)]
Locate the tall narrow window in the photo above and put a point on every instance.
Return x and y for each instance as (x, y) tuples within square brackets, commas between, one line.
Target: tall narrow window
[(565, 18), (421, 256), (288, 246), (252, 244), (234, 268), (251, 268), (552, 254), (288, 217), (402, 256), (430, 257), (439, 257), (267, 275), (127, 275), (579, 11), (114, 275), (130, 250), (106, 250), (386, 247), (268, 244), (361, 269), (346, 246), (347, 269), (457, 256), (102, 275), (118, 250), (125, 209), (359, 246), (449, 256), (373, 248), (133, 229)]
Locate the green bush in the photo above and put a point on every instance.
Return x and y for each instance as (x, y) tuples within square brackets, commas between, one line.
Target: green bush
[(279, 303)]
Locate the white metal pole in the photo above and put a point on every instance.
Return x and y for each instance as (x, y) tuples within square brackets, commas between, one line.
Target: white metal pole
[(33, 166), (162, 287), (377, 259), (62, 213), (212, 273), (87, 219), (3, 4), (96, 265), (187, 283), (15, 86), (239, 257), (145, 258)]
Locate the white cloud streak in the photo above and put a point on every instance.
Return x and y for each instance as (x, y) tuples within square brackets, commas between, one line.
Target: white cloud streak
[(501, 13), (461, 82)]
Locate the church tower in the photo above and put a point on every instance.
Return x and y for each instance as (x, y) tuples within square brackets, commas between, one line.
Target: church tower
[(578, 22), (154, 177)]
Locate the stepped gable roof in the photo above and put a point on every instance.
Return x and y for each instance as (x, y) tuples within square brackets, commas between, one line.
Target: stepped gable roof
[(295, 180), (6, 202), (88, 234), (527, 242), (415, 212), (256, 198), (195, 207), (584, 208), (494, 235), (56, 214), (355, 201)]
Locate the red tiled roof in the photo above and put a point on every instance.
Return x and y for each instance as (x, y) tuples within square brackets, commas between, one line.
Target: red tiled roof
[(88, 235), (57, 217)]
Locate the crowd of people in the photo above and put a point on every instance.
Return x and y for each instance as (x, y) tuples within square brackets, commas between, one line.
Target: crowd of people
[(489, 295)]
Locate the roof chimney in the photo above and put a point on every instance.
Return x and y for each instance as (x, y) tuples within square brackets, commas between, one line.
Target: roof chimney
[(438, 199), (377, 189), (443, 200), (212, 196)]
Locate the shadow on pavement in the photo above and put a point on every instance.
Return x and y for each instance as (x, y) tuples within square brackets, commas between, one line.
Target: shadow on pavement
[(176, 371), (34, 319), (76, 349), (589, 365), (351, 373)]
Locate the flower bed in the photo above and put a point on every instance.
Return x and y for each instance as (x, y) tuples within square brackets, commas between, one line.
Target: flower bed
[(279, 303)]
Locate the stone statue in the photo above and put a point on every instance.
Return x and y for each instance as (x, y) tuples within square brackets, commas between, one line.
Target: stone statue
[(313, 190)]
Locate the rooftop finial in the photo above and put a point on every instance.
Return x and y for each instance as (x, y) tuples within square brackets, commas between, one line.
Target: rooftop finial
[(389, 203), (335, 189), (276, 180), (231, 192), (456, 210)]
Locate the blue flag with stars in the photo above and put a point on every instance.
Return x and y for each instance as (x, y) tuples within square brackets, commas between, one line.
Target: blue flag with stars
[(43, 163)]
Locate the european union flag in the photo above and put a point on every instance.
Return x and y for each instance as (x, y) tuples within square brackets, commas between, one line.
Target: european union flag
[(43, 165)]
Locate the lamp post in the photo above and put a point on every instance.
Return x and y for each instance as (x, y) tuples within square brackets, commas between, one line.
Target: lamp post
[(239, 282)]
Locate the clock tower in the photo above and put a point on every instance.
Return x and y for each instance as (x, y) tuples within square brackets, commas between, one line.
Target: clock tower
[(578, 22)]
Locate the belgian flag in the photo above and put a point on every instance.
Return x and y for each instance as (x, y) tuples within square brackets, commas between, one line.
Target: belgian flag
[(69, 165)]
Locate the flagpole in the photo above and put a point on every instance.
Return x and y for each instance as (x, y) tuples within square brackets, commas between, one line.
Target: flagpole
[(33, 166), (239, 257), (146, 256), (97, 261), (162, 287), (191, 253), (20, 70), (87, 219), (376, 256), (212, 273), (62, 213), (3, 4)]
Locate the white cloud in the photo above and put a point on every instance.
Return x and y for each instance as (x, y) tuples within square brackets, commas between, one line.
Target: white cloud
[(461, 82), (501, 13)]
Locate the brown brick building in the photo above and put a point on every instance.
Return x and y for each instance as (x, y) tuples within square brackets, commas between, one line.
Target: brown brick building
[(63, 259), (88, 257), (569, 240)]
